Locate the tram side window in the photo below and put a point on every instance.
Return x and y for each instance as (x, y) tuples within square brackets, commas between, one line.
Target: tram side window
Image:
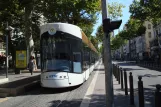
[(76, 55), (86, 58), (93, 59), (77, 62)]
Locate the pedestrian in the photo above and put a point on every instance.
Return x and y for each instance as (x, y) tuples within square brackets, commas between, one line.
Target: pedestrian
[(35, 65), (31, 65)]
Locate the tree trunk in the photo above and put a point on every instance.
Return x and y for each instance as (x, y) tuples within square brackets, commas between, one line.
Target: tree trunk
[(28, 29)]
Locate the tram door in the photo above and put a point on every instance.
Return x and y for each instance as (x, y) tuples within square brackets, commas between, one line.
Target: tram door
[(76, 77), (77, 62)]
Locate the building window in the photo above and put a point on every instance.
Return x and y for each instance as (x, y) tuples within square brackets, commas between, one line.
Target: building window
[(149, 26), (149, 34)]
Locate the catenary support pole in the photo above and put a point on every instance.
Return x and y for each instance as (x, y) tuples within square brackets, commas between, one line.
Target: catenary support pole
[(107, 61)]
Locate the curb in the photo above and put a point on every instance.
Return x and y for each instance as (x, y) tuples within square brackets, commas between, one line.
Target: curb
[(14, 88), (19, 90), (27, 71)]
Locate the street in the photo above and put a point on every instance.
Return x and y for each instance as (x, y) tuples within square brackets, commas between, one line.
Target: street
[(71, 97), (150, 79)]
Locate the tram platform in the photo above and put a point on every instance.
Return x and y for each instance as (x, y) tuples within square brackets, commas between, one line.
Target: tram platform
[(18, 83), (95, 95)]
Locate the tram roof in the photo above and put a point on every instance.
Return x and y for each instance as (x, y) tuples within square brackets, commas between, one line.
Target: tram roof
[(66, 27), (88, 42)]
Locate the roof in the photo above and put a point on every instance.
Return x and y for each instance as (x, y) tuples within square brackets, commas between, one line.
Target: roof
[(88, 42)]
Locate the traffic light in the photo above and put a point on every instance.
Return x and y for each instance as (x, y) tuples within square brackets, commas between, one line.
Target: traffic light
[(109, 26)]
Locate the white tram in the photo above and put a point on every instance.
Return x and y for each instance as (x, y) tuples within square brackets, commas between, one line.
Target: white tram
[(67, 56)]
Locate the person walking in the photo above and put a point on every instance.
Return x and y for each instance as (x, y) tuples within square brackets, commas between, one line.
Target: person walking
[(35, 65), (31, 65)]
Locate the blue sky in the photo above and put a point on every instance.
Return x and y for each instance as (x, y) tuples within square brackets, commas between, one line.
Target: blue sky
[(125, 12)]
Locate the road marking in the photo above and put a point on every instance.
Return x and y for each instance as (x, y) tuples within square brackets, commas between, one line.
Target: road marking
[(3, 99), (87, 97)]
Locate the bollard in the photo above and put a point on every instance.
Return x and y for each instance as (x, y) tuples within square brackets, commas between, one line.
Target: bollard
[(122, 84), (118, 75), (158, 96), (116, 72), (113, 68), (125, 80), (131, 89), (140, 92)]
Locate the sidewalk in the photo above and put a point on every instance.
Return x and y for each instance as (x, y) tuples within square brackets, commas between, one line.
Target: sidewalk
[(14, 77), (149, 77), (96, 97)]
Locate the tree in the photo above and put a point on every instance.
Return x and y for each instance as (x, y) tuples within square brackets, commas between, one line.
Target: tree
[(11, 12), (114, 12), (94, 41), (75, 12), (134, 28), (116, 42), (146, 10)]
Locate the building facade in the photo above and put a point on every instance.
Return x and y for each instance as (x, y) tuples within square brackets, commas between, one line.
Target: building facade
[(148, 37)]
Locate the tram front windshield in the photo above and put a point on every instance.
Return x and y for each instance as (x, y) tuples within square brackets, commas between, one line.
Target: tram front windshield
[(56, 52)]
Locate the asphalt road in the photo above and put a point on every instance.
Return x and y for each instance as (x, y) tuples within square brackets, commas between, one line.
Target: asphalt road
[(71, 97), (150, 79)]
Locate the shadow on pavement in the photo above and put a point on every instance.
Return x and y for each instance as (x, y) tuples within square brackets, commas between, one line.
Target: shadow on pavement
[(122, 100), (130, 69), (99, 70), (96, 101), (126, 64), (57, 90), (148, 97)]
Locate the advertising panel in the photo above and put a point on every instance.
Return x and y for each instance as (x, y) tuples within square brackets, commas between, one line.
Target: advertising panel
[(21, 59)]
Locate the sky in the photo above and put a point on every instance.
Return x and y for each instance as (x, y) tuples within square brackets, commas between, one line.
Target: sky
[(125, 17)]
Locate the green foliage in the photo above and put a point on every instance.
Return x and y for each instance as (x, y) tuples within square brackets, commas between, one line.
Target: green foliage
[(79, 12), (99, 33), (11, 12), (87, 29), (134, 28), (116, 42), (94, 41), (115, 10), (72, 11), (149, 10)]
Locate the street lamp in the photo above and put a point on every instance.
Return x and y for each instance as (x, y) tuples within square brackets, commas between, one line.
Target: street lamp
[(8, 30)]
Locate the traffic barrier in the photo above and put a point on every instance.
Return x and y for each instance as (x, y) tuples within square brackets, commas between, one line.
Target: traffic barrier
[(125, 82), (122, 84), (131, 89), (157, 96), (140, 92)]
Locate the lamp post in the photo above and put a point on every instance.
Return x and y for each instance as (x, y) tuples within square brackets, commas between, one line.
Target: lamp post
[(8, 31)]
